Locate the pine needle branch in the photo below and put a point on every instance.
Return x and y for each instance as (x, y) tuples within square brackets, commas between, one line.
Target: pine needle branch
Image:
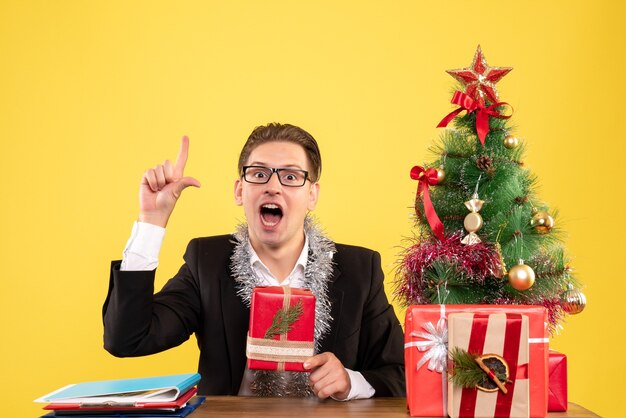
[(283, 320), (466, 372)]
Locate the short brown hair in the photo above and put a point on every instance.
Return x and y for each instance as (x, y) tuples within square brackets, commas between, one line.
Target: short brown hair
[(287, 133)]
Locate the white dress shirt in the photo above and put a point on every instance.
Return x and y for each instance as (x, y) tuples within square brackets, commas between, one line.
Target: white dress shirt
[(142, 253)]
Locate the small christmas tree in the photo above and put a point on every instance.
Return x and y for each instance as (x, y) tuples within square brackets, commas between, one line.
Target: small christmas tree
[(483, 236)]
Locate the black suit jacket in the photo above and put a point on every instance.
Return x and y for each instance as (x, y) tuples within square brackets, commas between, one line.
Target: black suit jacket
[(202, 298)]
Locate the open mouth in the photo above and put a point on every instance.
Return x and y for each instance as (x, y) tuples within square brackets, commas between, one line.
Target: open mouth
[(271, 214)]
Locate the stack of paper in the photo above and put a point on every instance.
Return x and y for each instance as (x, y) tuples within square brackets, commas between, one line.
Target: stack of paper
[(171, 396)]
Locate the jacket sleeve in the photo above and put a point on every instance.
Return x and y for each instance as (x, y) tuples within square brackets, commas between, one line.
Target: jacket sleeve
[(138, 322), (381, 341)]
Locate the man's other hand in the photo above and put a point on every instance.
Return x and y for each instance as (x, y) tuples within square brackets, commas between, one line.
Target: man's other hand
[(328, 376)]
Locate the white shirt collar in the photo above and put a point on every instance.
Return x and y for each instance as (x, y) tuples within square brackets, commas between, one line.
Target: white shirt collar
[(294, 279)]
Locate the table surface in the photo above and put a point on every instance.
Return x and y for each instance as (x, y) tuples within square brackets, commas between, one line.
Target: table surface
[(239, 406)]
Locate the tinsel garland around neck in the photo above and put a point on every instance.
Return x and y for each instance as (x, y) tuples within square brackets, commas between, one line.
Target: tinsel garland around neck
[(317, 273)]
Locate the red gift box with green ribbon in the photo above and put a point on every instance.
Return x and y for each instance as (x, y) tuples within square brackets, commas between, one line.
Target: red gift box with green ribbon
[(280, 335), (426, 352)]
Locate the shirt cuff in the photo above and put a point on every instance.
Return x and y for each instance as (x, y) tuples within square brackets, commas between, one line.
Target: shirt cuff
[(143, 247), (359, 387)]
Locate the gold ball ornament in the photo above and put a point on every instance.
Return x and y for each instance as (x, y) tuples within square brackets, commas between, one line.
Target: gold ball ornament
[(441, 175), (573, 301), (521, 276), (511, 141), (542, 222)]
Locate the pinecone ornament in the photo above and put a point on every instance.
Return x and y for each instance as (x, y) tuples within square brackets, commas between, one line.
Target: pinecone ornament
[(485, 164)]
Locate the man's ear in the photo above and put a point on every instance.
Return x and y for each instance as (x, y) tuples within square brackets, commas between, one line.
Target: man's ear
[(238, 192), (314, 193)]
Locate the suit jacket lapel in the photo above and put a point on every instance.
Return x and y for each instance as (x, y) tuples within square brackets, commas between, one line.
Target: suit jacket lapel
[(336, 300), (236, 318)]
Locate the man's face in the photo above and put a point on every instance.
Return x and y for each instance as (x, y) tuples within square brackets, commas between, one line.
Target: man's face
[(275, 213)]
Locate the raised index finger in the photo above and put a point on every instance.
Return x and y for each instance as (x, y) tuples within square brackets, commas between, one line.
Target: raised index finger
[(181, 160)]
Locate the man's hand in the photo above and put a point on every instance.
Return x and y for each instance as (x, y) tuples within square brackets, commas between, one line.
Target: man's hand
[(161, 187), (328, 376)]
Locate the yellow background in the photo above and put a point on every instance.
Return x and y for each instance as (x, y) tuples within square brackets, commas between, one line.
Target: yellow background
[(93, 93)]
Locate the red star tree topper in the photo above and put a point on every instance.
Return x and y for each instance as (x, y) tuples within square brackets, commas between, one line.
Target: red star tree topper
[(479, 78)]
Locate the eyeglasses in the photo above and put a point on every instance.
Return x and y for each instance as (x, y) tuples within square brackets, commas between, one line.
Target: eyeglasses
[(290, 177)]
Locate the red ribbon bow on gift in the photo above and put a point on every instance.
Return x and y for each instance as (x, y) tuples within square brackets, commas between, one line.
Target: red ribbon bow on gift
[(427, 178), (482, 116)]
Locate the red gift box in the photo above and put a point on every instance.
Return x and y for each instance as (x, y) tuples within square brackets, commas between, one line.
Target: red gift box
[(501, 334), (425, 328), (269, 348), (557, 382)]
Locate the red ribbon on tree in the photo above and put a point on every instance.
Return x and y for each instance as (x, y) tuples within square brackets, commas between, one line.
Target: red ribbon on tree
[(482, 113), (427, 178)]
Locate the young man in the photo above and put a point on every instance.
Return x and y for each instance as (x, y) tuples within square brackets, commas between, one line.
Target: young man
[(357, 334)]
